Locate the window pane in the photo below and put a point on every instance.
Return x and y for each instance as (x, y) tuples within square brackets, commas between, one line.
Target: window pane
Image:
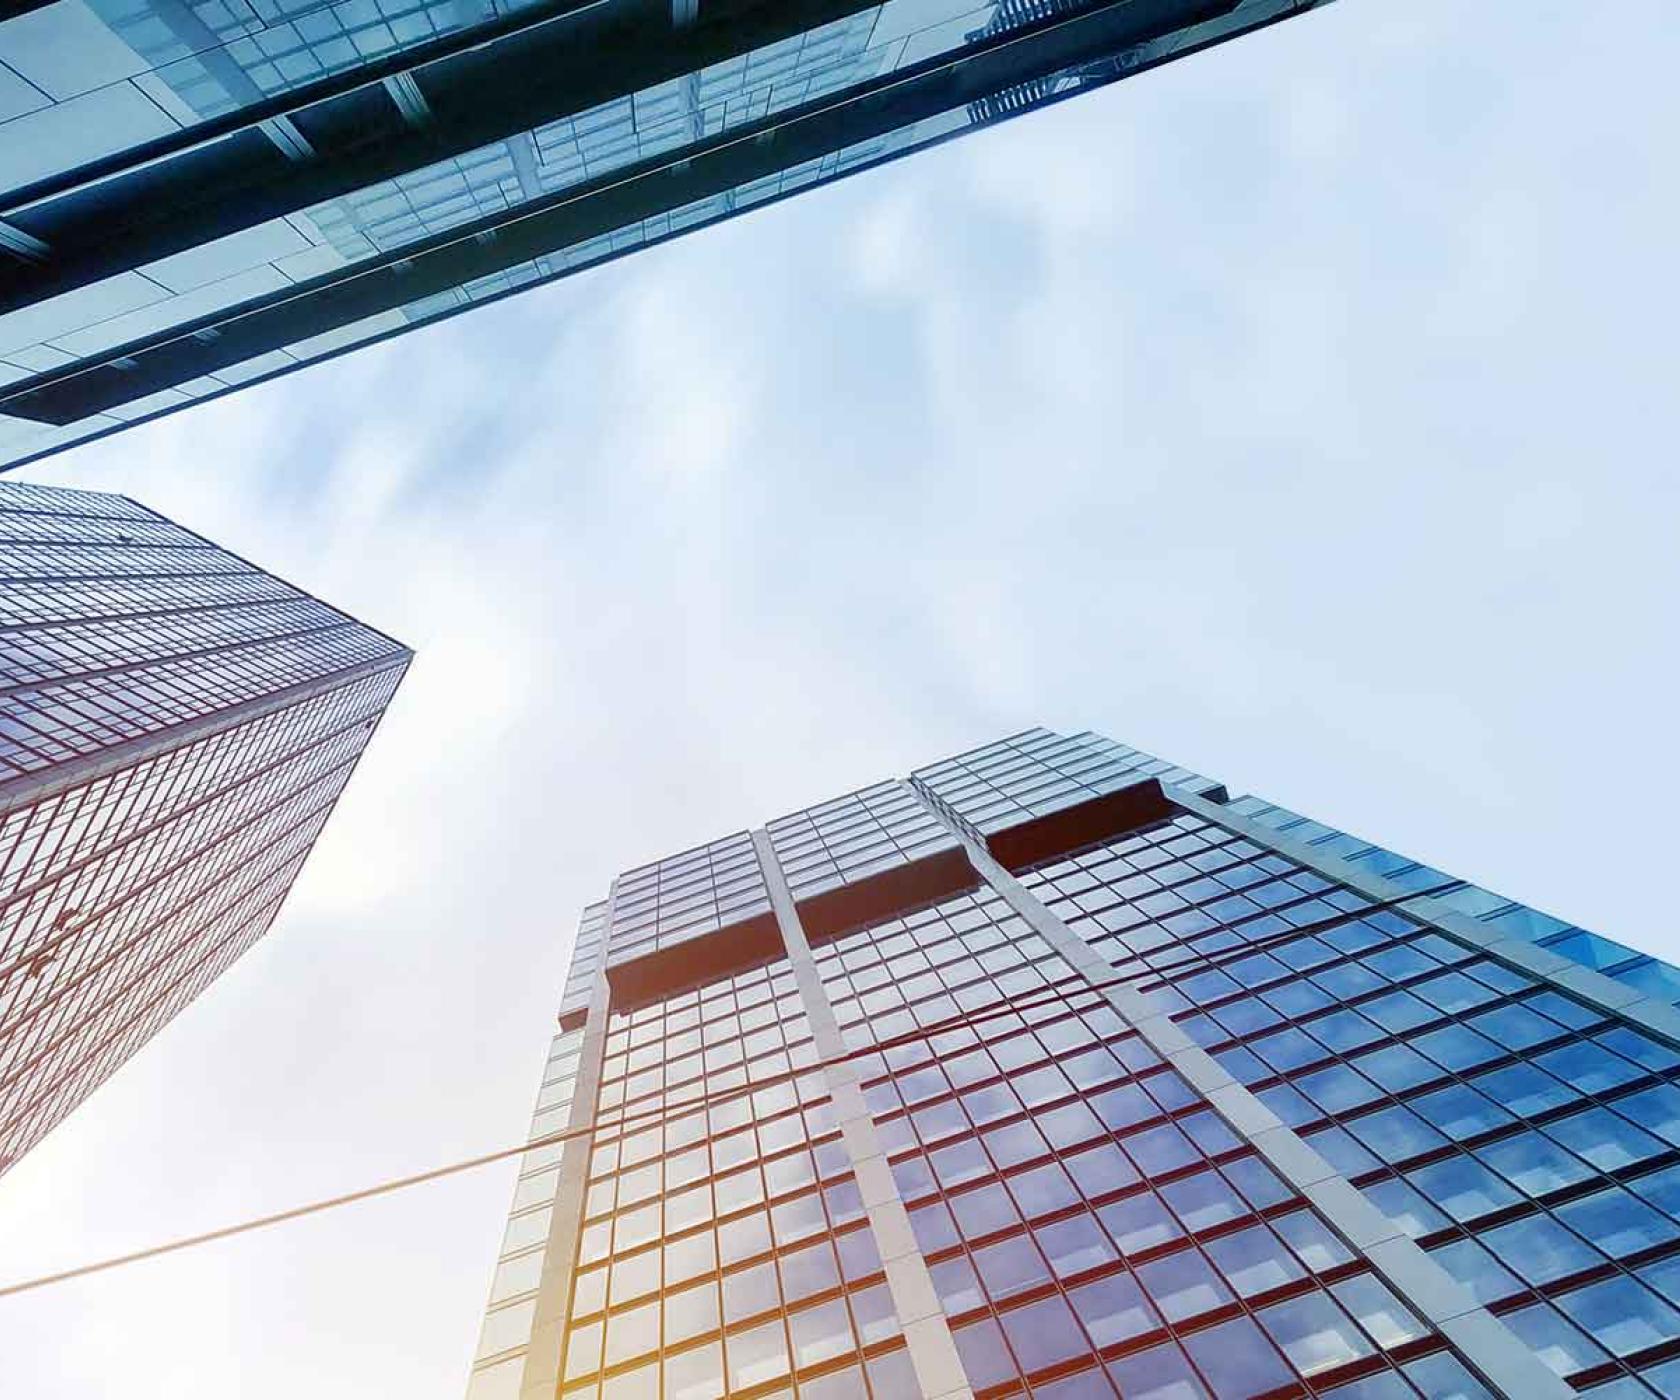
[(1237, 1360), (1314, 1333)]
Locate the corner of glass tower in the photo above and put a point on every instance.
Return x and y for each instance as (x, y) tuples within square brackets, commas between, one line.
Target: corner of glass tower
[(175, 728)]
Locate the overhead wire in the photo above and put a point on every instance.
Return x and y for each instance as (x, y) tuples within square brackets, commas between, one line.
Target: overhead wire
[(626, 1122), (1060, 991)]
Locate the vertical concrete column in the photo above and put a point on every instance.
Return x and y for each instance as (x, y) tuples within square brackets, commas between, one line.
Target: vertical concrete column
[(545, 1357), (1485, 1342), (933, 1352)]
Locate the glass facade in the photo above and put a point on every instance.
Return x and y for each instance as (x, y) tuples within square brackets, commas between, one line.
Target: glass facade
[(851, 838), (292, 178), (1036, 773), (1644, 974), (1178, 1111), (725, 1248), (175, 726), (685, 897), (1527, 1140)]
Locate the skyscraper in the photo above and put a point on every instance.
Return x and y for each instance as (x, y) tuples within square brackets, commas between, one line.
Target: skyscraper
[(194, 197), (1053, 1070), (175, 727)]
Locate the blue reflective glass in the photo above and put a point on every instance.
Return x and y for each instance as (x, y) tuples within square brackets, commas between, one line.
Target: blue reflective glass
[(1463, 1187), (1555, 1339), (1161, 1373), (1516, 1027), (1606, 1140), (1114, 1309), (1291, 1106), (1312, 1241), (1183, 1285), (1457, 1048), (1395, 1134), (1444, 1377), (1401, 1202), (1524, 1089), (1288, 1050), (1247, 1016), (1664, 1379), (1399, 1011), (1010, 1266), (1638, 1047), (1540, 1250), (1260, 1186), (1534, 1163), (1588, 1066), (984, 1356), (1074, 1246), (1488, 1280), (1253, 1260), (1342, 1151), (1622, 1315), (1656, 1109), (1043, 1334), (1565, 1010), (1618, 1222), (1460, 1112), (1158, 1151), (1385, 1385), (1661, 1189), (1314, 1333), (1138, 1223), (1338, 1089), (1397, 1068), (1453, 992), (1664, 1276), (1590, 950), (1087, 1385), (1101, 1170), (1203, 1201), (1236, 1360)]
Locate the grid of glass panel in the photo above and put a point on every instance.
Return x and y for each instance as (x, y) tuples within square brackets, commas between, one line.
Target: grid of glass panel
[(123, 894), (588, 953), (1036, 772), (1649, 975), (71, 687), (724, 1247), (685, 896), (172, 63), (504, 1338), (84, 88), (1091, 1225), (1528, 1142), (121, 897), (854, 837)]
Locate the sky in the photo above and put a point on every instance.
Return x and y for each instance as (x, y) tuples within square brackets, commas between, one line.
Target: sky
[(1302, 412)]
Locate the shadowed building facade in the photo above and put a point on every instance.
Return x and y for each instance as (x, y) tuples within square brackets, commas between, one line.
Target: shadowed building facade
[(1053, 1070), (175, 727), (197, 196)]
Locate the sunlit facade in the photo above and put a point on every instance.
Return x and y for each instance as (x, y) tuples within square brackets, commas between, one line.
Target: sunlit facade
[(175, 727), (1053, 1070), (194, 197)]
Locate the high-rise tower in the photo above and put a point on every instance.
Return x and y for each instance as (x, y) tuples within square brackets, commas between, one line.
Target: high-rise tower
[(175, 726), (1053, 1070), (194, 197)]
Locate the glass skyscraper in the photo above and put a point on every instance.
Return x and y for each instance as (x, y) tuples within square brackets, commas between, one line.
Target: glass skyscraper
[(199, 194), (1054, 1070), (175, 727)]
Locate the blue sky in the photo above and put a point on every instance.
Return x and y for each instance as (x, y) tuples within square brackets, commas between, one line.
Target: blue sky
[(1301, 413)]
